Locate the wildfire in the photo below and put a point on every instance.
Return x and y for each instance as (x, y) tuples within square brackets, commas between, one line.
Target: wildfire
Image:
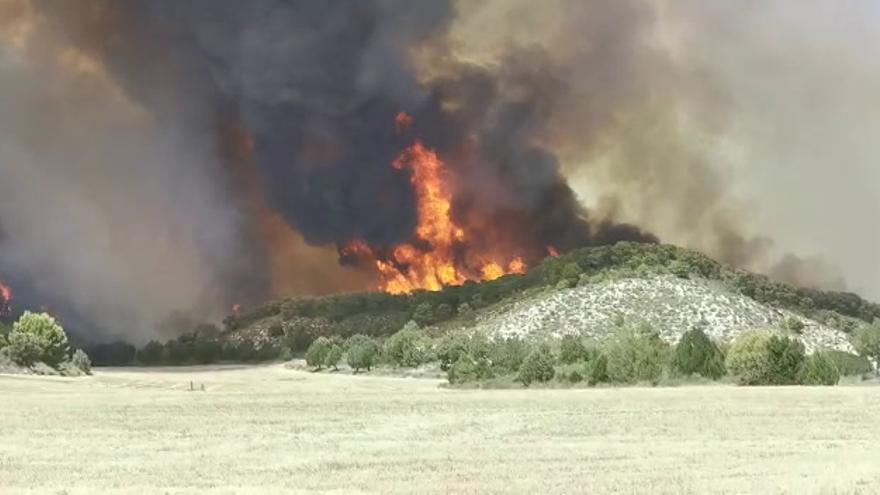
[(5, 298), (438, 256)]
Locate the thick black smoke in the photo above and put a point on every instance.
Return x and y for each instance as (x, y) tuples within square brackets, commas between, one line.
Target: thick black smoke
[(317, 86)]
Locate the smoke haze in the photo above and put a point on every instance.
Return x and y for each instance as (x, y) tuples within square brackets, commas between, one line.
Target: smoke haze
[(163, 155)]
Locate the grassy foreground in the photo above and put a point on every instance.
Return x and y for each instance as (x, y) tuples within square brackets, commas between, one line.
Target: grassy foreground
[(274, 430)]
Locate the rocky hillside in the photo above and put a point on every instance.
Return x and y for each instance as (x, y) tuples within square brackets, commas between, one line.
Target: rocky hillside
[(587, 291), (669, 304)]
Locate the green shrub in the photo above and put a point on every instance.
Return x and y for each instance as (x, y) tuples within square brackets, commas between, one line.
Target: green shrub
[(468, 369), (765, 358), (794, 324), (150, 353), (572, 350), (696, 354), (450, 348), (316, 355), (787, 358), (409, 347), (334, 355), (849, 364), (81, 361), (819, 369), (37, 337), (537, 367), (598, 370), (635, 355), (867, 343), (507, 355), (361, 352)]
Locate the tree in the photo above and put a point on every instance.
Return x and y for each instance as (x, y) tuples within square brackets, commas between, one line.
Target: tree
[(572, 350), (150, 353), (37, 337), (469, 369), (450, 348), (765, 358), (537, 367), (316, 355), (81, 361), (409, 347), (696, 354), (635, 355), (819, 369), (867, 343), (334, 355), (361, 352)]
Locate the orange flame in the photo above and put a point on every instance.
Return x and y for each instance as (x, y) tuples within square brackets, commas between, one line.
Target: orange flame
[(552, 251), (445, 261), (5, 298)]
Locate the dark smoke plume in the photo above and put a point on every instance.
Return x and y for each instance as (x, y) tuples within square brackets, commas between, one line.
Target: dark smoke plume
[(223, 149)]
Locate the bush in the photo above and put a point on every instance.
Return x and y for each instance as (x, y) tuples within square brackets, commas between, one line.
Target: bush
[(37, 337), (696, 354), (81, 361), (787, 358), (635, 355), (572, 350), (469, 369), (334, 355), (450, 348), (361, 352), (849, 364), (506, 355), (819, 369), (794, 324), (409, 347), (150, 354), (537, 367), (867, 343), (764, 358), (316, 355), (598, 370)]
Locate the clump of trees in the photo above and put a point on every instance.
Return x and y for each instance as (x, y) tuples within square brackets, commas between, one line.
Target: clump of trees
[(38, 341)]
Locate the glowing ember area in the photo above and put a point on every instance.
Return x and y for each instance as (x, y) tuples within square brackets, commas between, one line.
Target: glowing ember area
[(439, 255), (5, 298)]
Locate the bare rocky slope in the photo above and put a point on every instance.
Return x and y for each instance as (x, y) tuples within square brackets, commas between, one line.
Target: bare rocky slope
[(669, 304)]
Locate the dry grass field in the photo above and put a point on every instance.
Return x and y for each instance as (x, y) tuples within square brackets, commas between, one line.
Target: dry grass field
[(274, 430)]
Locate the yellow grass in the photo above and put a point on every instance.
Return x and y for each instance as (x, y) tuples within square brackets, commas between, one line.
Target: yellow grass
[(273, 430)]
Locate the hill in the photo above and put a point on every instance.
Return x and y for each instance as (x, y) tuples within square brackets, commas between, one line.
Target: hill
[(583, 292)]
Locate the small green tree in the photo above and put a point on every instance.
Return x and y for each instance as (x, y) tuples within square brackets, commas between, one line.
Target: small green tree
[(696, 354), (867, 343), (37, 337), (409, 347), (316, 355), (150, 353), (450, 348), (334, 355), (507, 354), (794, 324), (635, 355), (787, 358), (819, 369), (361, 352), (81, 361), (537, 367), (469, 369), (765, 358), (572, 350), (598, 370)]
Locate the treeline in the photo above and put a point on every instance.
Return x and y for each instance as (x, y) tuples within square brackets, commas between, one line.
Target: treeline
[(37, 343), (295, 323), (631, 355), (205, 345), (378, 314)]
